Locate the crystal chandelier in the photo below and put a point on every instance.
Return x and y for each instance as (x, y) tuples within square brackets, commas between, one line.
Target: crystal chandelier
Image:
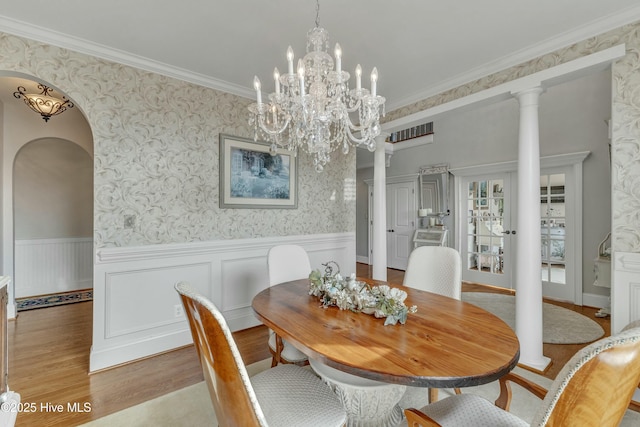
[(43, 103), (314, 109)]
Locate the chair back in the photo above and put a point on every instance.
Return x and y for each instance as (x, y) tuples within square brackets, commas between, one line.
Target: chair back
[(436, 269), (232, 395), (287, 263), (596, 385)]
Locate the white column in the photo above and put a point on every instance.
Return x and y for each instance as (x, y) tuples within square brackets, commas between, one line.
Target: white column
[(379, 244), (528, 263)]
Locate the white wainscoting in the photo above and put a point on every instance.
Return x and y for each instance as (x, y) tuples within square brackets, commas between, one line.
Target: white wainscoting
[(47, 266), (625, 290), (136, 311)]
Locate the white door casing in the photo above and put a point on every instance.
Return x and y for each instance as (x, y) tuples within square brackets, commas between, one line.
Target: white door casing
[(404, 220), (571, 166)]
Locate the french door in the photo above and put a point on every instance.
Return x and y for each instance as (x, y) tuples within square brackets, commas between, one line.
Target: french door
[(487, 232), (557, 211)]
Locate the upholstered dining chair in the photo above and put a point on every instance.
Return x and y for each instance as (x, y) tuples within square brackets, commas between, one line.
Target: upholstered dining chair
[(286, 263), (436, 269), (593, 388), (287, 395)]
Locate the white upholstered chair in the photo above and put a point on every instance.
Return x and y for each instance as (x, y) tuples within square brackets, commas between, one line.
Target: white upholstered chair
[(436, 269), (284, 396), (286, 263), (593, 389)]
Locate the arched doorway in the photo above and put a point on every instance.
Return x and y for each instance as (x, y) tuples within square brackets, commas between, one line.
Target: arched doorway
[(53, 224), (21, 128)]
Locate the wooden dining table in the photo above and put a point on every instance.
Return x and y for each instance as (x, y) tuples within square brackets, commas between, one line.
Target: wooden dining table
[(447, 343)]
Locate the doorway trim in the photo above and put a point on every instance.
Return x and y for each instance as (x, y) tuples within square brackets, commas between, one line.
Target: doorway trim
[(573, 160), (389, 180)]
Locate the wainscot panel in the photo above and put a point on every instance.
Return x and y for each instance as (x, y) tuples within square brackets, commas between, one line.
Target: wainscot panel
[(625, 290), (137, 313), (47, 266)]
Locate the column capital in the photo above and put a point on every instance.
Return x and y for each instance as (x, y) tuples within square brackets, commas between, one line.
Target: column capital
[(382, 137), (528, 96)]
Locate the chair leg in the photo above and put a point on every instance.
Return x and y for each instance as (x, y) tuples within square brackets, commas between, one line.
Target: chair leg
[(433, 395), (457, 390), (275, 360)]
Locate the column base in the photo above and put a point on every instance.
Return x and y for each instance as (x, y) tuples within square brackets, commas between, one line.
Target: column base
[(539, 365)]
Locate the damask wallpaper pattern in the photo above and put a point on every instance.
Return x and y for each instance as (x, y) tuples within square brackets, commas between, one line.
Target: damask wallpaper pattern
[(156, 145), (156, 154), (625, 120)]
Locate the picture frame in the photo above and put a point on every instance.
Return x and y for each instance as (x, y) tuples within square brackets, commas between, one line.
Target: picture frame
[(251, 178)]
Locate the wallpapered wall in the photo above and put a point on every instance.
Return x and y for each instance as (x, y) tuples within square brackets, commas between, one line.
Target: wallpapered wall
[(156, 154), (625, 120)]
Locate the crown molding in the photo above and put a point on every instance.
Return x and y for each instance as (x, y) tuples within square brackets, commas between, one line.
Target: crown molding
[(544, 47), (33, 32)]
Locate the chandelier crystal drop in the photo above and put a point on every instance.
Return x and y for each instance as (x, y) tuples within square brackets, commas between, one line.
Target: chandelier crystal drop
[(314, 109)]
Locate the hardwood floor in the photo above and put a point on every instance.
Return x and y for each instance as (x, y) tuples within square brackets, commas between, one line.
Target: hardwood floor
[(49, 363)]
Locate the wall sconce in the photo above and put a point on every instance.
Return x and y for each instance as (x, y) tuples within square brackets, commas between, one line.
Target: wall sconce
[(43, 103)]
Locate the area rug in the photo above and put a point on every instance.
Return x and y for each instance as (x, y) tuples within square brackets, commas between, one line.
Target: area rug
[(192, 407), (560, 325), (50, 300)]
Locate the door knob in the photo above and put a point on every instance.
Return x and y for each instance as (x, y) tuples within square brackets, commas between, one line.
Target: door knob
[(389, 231), (507, 232), (513, 231)]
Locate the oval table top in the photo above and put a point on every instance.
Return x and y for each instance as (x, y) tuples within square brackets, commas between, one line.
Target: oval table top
[(447, 343)]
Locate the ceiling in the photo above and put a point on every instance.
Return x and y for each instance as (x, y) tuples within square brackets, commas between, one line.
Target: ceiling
[(420, 47)]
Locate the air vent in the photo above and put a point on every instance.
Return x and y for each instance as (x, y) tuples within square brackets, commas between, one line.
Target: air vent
[(410, 133)]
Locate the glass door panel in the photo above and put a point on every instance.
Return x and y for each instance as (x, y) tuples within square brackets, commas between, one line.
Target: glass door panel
[(484, 258), (552, 227)]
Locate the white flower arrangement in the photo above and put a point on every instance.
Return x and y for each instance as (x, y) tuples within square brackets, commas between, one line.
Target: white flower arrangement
[(350, 294)]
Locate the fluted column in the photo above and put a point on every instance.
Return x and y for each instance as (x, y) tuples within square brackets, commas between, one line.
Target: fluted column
[(379, 244), (528, 283)]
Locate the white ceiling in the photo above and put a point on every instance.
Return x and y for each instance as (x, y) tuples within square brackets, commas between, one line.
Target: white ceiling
[(420, 47)]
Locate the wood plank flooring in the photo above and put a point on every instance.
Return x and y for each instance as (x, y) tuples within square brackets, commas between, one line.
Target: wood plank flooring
[(49, 363)]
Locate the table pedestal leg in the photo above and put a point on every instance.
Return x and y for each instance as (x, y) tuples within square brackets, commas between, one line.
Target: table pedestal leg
[(368, 403)]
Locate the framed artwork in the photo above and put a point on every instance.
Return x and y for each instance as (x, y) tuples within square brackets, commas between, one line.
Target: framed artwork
[(251, 178)]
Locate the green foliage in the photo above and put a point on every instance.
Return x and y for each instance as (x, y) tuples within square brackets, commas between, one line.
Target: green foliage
[(350, 294)]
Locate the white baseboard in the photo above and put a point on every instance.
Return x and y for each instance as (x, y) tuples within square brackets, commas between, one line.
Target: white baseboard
[(134, 301), (362, 259), (594, 300)]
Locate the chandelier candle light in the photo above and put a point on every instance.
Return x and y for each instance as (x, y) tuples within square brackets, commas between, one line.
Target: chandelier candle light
[(314, 109)]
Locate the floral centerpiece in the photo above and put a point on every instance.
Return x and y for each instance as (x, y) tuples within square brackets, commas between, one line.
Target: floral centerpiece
[(350, 294)]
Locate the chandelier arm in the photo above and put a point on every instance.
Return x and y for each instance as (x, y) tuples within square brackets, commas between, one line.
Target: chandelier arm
[(312, 108), (268, 131), (358, 141)]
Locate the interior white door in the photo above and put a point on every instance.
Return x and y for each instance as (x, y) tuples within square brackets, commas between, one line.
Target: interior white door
[(557, 231), (489, 232), (488, 229), (401, 223)]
